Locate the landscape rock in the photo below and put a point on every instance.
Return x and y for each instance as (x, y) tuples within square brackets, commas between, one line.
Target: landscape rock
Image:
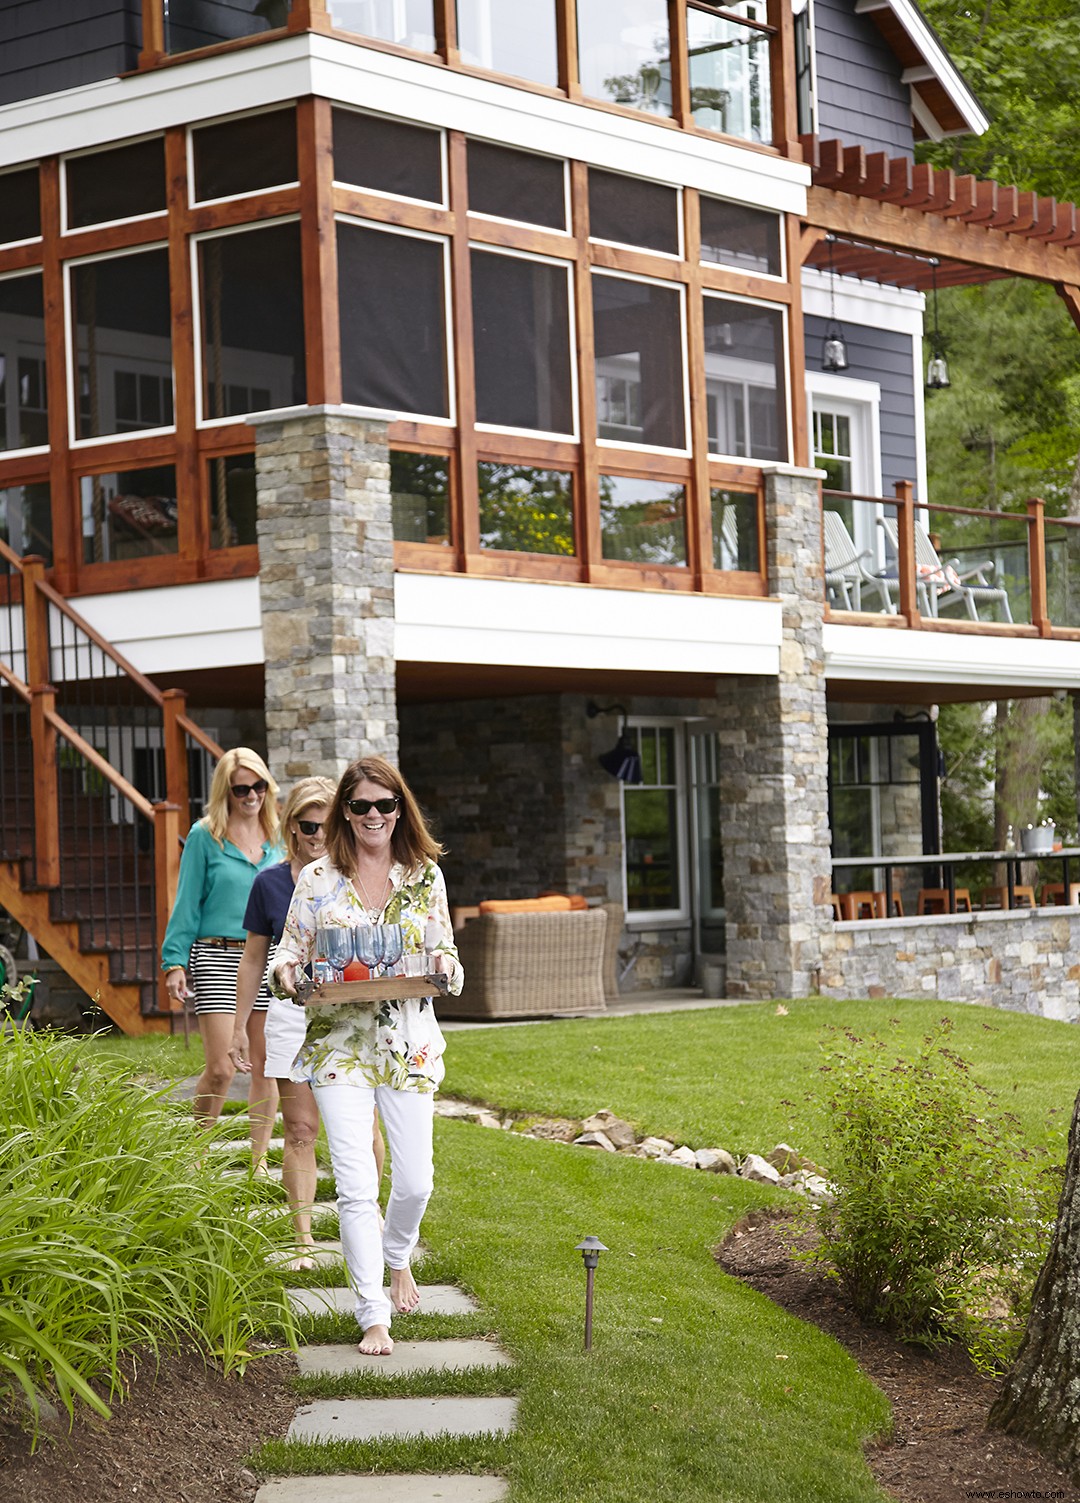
[(595, 1140), (756, 1167), (488, 1119), (654, 1148), (683, 1155), (716, 1160), (819, 1190), (784, 1159), (619, 1131)]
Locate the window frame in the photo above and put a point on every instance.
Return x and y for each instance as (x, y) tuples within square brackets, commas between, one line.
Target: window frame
[(678, 189), (398, 198), (66, 228), (784, 371), (193, 203), (568, 231), (33, 449), (779, 278), (680, 287), (35, 165), (669, 918)]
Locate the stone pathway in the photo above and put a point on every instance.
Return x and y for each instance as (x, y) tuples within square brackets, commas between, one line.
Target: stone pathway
[(325, 1420)]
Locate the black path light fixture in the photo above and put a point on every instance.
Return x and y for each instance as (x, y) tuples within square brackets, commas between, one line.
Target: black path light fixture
[(937, 372), (623, 760), (834, 350), (590, 1251)]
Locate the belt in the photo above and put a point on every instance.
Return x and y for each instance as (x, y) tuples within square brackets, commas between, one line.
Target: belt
[(219, 943)]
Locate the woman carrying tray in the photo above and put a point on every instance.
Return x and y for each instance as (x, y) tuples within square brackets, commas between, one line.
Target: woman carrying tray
[(380, 868)]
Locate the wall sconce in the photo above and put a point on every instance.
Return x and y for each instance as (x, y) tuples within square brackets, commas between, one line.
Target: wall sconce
[(623, 760)]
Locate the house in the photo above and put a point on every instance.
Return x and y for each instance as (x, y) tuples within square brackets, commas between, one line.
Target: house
[(407, 375)]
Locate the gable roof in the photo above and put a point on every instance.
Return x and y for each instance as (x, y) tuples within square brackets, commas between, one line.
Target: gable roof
[(941, 101)]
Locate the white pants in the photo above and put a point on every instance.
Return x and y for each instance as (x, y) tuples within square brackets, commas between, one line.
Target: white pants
[(348, 1112)]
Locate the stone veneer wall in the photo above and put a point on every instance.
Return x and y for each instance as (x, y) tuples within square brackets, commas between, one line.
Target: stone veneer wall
[(326, 588), (1020, 961)]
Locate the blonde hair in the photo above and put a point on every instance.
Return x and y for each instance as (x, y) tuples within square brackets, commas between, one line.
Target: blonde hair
[(217, 805), (412, 841), (307, 792)]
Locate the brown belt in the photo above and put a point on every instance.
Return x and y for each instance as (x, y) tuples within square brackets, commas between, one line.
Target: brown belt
[(219, 943)]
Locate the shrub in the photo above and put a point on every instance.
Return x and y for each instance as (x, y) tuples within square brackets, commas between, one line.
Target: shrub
[(940, 1216), (119, 1234)]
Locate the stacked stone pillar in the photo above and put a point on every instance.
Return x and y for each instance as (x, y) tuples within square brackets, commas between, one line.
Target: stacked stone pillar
[(326, 588), (774, 750)]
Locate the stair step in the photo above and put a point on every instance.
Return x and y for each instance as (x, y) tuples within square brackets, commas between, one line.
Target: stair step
[(435, 1299), (373, 1419), (430, 1487), (407, 1357)]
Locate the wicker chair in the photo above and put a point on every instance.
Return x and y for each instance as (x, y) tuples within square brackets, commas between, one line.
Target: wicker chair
[(528, 965)]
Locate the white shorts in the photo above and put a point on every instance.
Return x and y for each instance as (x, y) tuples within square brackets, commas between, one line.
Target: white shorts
[(286, 1029)]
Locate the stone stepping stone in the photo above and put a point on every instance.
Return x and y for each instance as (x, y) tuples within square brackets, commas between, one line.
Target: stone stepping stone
[(431, 1488), (323, 1255), (435, 1299), (373, 1419), (407, 1357)]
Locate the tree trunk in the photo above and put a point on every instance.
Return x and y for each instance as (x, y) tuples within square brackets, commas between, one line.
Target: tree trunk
[(1040, 1399)]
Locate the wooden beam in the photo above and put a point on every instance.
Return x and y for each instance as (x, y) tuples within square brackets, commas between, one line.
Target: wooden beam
[(46, 798), (193, 537), (318, 251), (905, 535), (1036, 511), (785, 126), (177, 789), (35, 623), (796, 372), (166, 873), (680, 65), (566, 41), (466, 508), (153, 33), (1070, 296), (699, 537), (587, 533), (66, 527)]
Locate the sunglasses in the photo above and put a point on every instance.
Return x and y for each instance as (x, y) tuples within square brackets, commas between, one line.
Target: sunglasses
[(309, 826), (365, 805), (241, 790)]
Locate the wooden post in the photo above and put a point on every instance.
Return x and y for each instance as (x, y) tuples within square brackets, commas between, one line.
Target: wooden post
[(680, 64), (566, 22), (177, 789), (1040, 616), (785, 128), (905, 562), (467, 500), (318, 241), (700, 544), (166, 872), (153, 33), (35, 621), (588, 535), (46, 804)]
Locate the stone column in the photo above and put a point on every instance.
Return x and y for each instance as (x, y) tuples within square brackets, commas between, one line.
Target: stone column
[(326, 589), (774, 789)]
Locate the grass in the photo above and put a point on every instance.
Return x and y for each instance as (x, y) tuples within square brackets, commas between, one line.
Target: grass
[(474, 1454), (429, 1382), (156, 1056)]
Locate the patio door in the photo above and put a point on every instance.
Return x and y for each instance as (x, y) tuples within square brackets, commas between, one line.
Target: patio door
[(846, 445), (707, 864)]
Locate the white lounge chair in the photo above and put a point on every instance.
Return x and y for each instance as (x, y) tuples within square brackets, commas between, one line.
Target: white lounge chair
[(846, 573), (941, 585)]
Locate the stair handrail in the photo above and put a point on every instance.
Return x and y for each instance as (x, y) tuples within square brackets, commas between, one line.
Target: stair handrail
[(23, 690)]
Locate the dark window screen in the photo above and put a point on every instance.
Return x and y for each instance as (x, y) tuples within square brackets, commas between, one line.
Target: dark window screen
[(744, 379), (517, 185), (24, 408), (233, 507), (245, 156), (633, 212), (388, 156), (738, 236), (123, 339), (639, 362), (393, 321), (129, 514), (116, 184), (20, 205), (521, 338)]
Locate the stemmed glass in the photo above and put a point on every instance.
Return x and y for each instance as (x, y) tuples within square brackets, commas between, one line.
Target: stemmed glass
[(365, 945), (337, 946), (392, 945)]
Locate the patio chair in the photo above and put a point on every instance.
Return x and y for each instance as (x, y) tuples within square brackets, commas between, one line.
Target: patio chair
[(845, 569), (940, 585)]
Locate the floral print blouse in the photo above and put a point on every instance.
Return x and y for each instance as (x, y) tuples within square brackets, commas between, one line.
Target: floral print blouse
[(397, 1044)]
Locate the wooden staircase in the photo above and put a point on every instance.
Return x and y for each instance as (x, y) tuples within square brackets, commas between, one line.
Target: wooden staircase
[(99, 773)]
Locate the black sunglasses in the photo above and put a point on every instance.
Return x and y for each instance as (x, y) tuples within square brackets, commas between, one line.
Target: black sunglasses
[(309, 826), (364, 805), (241, 790)]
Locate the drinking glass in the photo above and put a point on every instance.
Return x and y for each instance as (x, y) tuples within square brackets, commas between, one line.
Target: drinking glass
[(393, 944), (365, 945), (337, 946)]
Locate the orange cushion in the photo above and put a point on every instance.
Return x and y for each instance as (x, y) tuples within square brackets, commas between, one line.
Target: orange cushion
[(526, 905), (576, 900)]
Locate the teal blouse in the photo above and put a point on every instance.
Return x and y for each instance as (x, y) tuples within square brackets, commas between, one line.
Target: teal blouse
[(211, 894)]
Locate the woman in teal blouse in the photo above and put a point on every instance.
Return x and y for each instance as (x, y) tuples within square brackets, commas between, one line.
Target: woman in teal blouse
[(204, 940)]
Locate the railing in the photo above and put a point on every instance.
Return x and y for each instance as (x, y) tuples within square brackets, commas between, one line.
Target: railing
[(961, 567), (939, 871)]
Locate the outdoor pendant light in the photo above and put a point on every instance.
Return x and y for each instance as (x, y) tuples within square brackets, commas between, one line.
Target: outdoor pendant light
[(834, 351), (937, 372), (623, 761)]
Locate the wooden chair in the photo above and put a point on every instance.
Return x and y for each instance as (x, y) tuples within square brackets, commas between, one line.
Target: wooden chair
[(846, 573), (1053, 893), (858, 905), (837, 906), (936, 900), (998, 897), (947, 584)]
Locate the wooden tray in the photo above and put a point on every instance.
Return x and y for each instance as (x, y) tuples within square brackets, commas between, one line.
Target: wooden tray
[(382, 989)]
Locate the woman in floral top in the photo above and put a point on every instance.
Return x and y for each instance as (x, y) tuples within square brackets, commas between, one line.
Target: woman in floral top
[(380, 868)]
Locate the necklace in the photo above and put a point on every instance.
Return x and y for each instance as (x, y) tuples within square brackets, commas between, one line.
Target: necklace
[(244, 844), (372, 909)]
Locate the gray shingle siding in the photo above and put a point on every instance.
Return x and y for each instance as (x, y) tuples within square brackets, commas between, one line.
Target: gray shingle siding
[(860, 98), (48, 45), (886, 357)]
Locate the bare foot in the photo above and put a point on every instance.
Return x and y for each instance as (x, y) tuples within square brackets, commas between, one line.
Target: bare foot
[(376, 1342), (300, 1264), (404, 1295)]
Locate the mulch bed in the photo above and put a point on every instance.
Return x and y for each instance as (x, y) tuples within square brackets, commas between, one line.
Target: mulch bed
[(940, 1450), (182, 1436)]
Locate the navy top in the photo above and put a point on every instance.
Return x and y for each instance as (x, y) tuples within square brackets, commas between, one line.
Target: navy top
[(271, 894)]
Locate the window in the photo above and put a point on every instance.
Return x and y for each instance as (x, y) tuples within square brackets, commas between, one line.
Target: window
[(129, 514), (509, 36), (122, 334), (526, 510), (20, 205), (420, 497), (631, 211), (654, 825), (509, 184), (251, 318), (883, 798), (392, 291), (521, 342), (245, 155), (805, 92), (729, 71), (388, 156), (123, 183), (735, 235), (744, 379), (833, 448), (194, 23), (24, 415), (735, 530), (643, 521), (409, 23), (640, 392), (233, 501), (624, 52), (26, 519)]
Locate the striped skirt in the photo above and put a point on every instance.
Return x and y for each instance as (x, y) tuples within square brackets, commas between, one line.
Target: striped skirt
[(212, 971)]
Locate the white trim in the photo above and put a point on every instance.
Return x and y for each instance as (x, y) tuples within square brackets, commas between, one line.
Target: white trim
[(870, 654), (930, 49), (402, 198), (871, 304), (97, 151), (644, 918), (864, 400), (680, 287), (925, 117), (783, 374)]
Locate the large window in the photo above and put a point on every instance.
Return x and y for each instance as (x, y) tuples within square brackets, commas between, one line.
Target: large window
[(24, 416), (624, 52), (654, 824), (517, 185), (26, 519), (20, 205), (632, 211), (128, 514), (420, 497), (409, 23), (643, 521), (521, 336), (735, 530), (510, 36), (388, 156), (122, 343), (251, 317), (392, 291), (233, 501), (525, 509), (125, 182), (744, 379), (245, 155), (736, 235), (638, 336), (729, 71), (195, 23)]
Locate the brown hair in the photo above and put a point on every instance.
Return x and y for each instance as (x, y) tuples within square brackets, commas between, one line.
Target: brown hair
[(304, 795), (217, 805), (412, 841)]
